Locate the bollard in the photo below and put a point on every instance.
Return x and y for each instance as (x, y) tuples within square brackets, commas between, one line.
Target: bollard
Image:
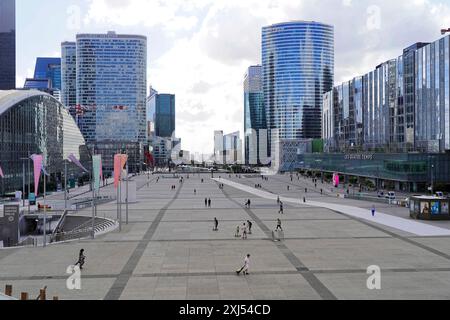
[(24, 296), (8, 290)]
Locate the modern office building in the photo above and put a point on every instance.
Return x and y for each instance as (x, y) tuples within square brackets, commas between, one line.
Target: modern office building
[(47, 77), (111, 90), (164, 116), (297, 69), (7, 44), (34, 122), (151, 109), (255, 124), (392, 124), (227, 148), (69, 77)]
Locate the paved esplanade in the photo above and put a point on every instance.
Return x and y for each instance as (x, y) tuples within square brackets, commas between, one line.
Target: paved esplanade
[(170, 251)]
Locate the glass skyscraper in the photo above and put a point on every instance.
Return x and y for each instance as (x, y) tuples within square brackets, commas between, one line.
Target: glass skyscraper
[(47, 76), (298, 68), (7, 44), (110, 93), (254, 117), (404, 102), (69, 76), (164, 115)]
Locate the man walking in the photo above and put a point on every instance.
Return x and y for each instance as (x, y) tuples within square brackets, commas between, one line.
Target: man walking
[(206, 202), (279, 225), (244, 231), (209, 203), (373, 211), (81, 259), (216, 225), (249, 226), (281, 208), (246, 266)]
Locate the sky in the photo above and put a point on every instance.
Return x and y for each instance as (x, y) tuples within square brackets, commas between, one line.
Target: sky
[(199, 50)]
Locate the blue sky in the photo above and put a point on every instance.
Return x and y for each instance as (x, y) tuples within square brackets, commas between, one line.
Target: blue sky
[(200, 49)]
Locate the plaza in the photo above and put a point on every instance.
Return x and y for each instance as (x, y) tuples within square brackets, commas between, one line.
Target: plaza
[(169, 251)]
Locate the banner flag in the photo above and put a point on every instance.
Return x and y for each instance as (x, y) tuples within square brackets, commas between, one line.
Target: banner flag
[(1, 173), (117, 169), (96, 167), (124, 159), (37, 164), (75, 161)]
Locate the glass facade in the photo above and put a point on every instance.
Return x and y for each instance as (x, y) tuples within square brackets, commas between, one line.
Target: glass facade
[(47, 76), (7, 44), (298, 68), (110, 90), (33, 122), (69, 76), (164, 115), (254, 117), (404, 105)]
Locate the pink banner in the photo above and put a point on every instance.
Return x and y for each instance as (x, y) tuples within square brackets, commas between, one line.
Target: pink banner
[(117, 169), (1, 173), (37, 161), (336, 180)]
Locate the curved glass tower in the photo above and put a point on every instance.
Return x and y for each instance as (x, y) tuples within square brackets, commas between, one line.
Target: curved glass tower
[(298, 68)]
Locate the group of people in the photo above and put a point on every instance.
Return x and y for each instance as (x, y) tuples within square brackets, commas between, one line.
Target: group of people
[(221, 186), (258, 186), (207, 203), (173, 187), (244, 230)]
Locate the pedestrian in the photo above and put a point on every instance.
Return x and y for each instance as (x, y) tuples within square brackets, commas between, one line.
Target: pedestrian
[(279, 225), (281, 208), (206, 202), (373, 211), (195, 191), (306, 190), (216, 224), (321, 191), (244, 231), (250, 224), (209, 202), (236, 235), (249, 203), (81, 259), (288, 188), (245, 267), (304, 199), (278, 200)]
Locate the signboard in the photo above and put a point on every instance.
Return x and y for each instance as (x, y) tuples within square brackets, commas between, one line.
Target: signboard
[(359, 156), (10, 226)]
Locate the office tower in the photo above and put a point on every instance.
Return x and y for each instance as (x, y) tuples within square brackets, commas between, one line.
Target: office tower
[(218, 147), (7, 44), (401, 106), (255, 123), (164, 115), (110, 93), (69, 77), (298, 68), (47, 76), (151, 109)]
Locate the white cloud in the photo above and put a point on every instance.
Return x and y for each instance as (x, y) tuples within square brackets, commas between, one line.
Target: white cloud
[(211, 43)]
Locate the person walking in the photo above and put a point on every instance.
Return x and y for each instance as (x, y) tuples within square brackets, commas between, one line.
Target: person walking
[(279, 225), (245, 267), (81, 259), (250, 224), (281, 208), (244, 231), (249, 203), (373, 211), (278, 200), (209, 202), (216, 224), (206, 202)]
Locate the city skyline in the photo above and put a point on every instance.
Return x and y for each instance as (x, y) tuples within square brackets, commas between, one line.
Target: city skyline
[(195, 54)]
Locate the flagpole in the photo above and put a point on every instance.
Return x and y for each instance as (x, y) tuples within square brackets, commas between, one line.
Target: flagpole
[(93, 195)]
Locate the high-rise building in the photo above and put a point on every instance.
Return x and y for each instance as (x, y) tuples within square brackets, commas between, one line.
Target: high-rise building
[(69, 77), (401, 106), (164, 115), (47, 76), (151, 109), (227, 148), (111, 90), (255, 124), (298, 68), (7, 44)]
